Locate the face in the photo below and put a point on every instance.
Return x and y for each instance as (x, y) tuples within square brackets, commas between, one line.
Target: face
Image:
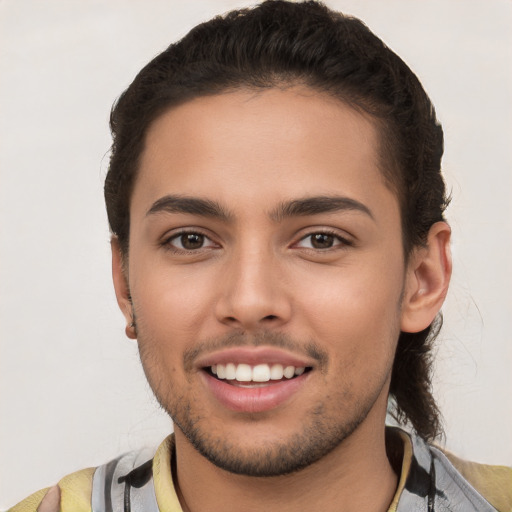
[(266, 274)]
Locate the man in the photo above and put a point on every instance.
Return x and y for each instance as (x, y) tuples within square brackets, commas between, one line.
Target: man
[(280, 254)]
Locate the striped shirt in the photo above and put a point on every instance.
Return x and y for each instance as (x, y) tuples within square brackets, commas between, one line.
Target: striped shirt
[(431, 480)]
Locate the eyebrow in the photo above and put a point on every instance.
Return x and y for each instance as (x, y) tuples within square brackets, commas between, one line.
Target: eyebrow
[(295, 208), (192, 205), (317, 205)]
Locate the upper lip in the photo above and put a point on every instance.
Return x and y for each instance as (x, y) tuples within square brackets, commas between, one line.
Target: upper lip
[(253, 356)]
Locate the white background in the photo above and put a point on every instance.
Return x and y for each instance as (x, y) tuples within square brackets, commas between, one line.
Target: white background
[(72, 392)]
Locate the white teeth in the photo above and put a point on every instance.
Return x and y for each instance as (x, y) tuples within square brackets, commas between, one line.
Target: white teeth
[(221, 371), (276, 372), (261, 373), (243, 373), (230, 371), (258, 373), (289, 372)]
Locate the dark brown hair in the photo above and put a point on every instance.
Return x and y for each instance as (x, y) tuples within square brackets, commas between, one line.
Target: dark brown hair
[(281, 44)]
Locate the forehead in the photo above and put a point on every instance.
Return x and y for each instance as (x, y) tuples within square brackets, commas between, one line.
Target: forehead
[(252, 149)]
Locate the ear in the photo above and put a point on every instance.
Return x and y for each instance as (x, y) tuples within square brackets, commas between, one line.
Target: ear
[(119, 275), (428, 276)]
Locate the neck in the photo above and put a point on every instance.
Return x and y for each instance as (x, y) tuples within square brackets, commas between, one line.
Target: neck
[(356, 476)]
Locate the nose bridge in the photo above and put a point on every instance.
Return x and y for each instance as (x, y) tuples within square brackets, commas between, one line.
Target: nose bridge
[(252, 292)]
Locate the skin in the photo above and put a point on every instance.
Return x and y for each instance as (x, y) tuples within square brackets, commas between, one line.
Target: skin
[(51, 501), (256, 278)]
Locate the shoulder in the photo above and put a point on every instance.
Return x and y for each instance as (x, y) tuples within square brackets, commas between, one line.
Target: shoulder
[(92, 488), (75, 491), (433, 479), (494, 483)]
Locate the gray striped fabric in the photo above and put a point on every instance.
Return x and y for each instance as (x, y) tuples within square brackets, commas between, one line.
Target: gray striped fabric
[(125, 485), (433, 485)]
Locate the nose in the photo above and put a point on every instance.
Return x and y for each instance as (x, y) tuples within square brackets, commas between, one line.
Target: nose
[(253, 293)]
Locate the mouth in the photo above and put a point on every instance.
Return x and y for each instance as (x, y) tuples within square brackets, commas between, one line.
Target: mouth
[(255, 376), (245, 388), (250, 379)]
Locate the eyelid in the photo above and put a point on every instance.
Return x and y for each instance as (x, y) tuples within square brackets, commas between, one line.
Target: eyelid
[(176, 234), (344, 240)]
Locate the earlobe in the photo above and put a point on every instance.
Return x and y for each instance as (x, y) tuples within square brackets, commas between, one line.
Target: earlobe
[(122, 288), (428, 276)]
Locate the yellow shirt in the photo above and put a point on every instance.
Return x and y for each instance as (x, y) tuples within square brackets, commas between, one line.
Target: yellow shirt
[(494, 483)]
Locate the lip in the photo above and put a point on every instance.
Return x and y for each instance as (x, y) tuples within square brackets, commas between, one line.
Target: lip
[(253, 400), (254, 356)]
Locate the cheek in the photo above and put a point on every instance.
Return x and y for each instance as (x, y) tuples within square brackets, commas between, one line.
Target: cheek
[(355, 311), (171, 309), (167, 308)]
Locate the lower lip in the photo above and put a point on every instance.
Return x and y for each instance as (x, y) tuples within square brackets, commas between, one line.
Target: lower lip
[(251, 400)]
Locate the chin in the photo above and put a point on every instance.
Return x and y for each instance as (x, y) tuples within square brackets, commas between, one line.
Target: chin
[(262, 455)]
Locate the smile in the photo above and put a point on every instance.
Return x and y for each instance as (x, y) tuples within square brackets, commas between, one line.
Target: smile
[(252, 379), (260, 373), (244, 393)]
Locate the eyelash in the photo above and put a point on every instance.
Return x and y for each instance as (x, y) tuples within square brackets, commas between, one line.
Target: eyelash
[(342, 242), (167, 242)]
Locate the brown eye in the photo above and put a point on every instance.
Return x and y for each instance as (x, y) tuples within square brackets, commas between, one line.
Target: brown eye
[(191, 241), (322, 241)]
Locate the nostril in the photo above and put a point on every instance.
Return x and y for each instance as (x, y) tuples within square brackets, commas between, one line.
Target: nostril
[(270, 317)]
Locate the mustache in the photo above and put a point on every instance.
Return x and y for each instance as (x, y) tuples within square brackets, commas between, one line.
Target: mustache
[(263, 338)]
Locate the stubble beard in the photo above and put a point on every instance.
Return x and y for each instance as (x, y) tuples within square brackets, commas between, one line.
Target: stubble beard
[(310, 444), (324, 428)]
